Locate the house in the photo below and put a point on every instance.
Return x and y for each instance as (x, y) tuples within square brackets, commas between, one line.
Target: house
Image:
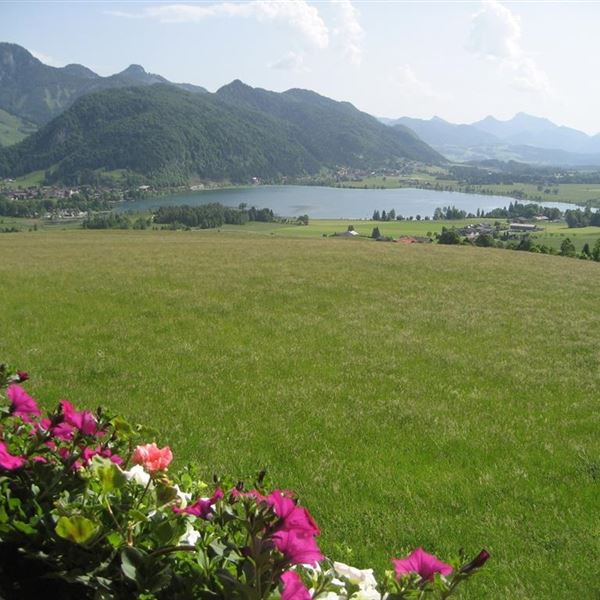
[(522, 227)]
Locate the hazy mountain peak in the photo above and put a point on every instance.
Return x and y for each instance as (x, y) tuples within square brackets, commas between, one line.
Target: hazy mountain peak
[(79, 71)]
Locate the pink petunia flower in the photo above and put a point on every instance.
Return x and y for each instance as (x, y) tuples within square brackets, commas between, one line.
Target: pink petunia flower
[(202, 507), (293, 587), (9, 461), (22, 404), (152, 458), (422, 563), (83, 420), (298, 546), (23, 376), (89, 453)]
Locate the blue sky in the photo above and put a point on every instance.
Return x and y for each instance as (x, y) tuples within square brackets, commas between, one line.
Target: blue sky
[(458, 60)]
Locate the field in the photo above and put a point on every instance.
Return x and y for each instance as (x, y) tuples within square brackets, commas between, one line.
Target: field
[(413, 395)]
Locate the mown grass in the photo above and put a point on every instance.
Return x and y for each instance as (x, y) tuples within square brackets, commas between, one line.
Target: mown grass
[(413, 395)]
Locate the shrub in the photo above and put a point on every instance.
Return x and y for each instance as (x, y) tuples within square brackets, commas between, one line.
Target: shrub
[(90, 509)]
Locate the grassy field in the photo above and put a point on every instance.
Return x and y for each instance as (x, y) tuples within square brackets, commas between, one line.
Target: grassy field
[(413, 395)]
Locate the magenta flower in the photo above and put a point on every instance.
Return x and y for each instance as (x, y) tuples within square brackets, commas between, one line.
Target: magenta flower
[(84, 420), (23, 376), (422, 563), (293, 587), (298, 546), (22, 404), (202, 507), (89, 453), (9, 461), (477, 562)]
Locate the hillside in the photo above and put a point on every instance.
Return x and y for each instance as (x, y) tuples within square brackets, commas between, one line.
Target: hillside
[(414, 396), (236, 134), (36, 92), (13, 129)]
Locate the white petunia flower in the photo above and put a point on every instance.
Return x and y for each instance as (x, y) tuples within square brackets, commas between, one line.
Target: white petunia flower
[(190, 536), (137, 474), (363, 578)]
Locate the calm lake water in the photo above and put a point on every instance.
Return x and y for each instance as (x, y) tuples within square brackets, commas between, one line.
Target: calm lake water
[(333, 203)]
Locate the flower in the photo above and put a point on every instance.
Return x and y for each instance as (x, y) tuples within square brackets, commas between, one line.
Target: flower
[(8, 461), (89, 453), (202, 507), (138, 475), (293, 516), (84, 420), (152, 458), (22, 404), (364, 578), (477, 562), (422, 563), (23, 376), (293, 588), (299, 546)]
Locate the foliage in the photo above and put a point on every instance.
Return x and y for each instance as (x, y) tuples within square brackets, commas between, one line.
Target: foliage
[(209, 216), (582, 218), (88, 511), (169, 134), (449, 236)]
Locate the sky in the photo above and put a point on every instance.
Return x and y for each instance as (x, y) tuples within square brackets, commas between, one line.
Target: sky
[(460, 61)]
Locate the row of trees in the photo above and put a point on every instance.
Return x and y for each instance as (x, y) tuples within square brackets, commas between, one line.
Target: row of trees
[(209, 216), (582, 218)]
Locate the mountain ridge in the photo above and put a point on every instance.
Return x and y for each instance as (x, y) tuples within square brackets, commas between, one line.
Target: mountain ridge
[(237, 133), (523, 137)]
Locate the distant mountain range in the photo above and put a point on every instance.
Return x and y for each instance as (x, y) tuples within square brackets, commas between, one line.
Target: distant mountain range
[(523, 138)]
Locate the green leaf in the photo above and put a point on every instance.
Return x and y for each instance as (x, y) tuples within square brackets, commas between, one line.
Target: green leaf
[(76, 529), (131, 560), (110, 476)]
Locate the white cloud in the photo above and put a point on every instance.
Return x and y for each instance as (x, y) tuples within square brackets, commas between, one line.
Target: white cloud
[(349, 31), (496, 36), (47, 60), (298, 14), (410, 86), (292, 61)]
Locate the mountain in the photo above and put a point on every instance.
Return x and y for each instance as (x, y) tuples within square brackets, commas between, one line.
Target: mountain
[(237, 133), (540, 133), (335, 133), (523, 138), (442, 133), (36, 93)]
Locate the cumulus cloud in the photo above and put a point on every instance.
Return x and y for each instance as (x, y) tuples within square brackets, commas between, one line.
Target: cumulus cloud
[(496, 36), (292, 61), (298, 14), (349, 32)]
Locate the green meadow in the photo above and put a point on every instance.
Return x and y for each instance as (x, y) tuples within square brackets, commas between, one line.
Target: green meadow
[(413, 395)]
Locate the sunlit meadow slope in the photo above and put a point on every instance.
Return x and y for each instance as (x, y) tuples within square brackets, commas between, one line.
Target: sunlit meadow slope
[(421, 395)]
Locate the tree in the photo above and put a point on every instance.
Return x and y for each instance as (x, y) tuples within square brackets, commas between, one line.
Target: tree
[(586, 250), (567, 248), (449, 236), (376, 216), (375, 234), (384, 216), (596, 251), (392, 215), (485, 240)]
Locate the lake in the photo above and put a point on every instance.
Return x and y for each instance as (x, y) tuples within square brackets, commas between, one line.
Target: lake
[(333, 203)]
